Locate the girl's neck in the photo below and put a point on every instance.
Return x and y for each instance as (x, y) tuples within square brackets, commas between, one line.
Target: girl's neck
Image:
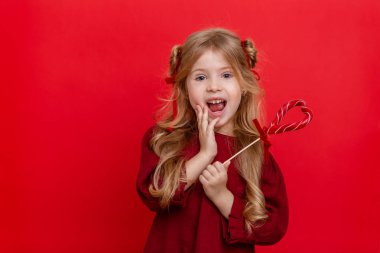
[(227, 132)]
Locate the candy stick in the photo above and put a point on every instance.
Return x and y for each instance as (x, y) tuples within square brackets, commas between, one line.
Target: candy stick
[(235, 155)]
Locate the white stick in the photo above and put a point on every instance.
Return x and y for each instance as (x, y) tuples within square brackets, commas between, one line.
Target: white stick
[(232, 157)]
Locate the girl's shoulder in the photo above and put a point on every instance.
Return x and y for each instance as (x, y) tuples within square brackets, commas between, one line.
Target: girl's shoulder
[(147, 136), (271, 170), (149, 131)]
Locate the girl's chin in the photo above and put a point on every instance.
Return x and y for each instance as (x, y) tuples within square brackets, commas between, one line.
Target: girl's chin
[(220, 124), (225, 129), (211, 118)]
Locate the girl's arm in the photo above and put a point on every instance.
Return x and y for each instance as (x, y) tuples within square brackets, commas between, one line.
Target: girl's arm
[(208, 147), (194, 166), (214, 182), (276, 203)]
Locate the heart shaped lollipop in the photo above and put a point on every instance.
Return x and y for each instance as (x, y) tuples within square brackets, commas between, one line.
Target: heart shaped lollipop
[(276, 128)]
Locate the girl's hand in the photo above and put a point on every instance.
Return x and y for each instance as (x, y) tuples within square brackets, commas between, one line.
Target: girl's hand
[(214, 180), (208, 147)]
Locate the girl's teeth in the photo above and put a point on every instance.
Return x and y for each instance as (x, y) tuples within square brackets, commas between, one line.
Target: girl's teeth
[(216, 105)]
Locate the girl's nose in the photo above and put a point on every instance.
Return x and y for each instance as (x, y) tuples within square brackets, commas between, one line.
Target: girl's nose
[(213, 85)]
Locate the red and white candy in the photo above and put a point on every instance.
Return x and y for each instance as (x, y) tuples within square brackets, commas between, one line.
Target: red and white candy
[(276, 128)]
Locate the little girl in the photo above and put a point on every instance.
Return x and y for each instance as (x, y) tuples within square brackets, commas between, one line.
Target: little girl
[(202, 205)]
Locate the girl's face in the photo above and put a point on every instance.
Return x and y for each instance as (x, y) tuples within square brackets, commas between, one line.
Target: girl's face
[(212, 83)]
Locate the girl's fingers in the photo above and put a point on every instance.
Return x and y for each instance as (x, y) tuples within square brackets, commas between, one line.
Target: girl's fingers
[(212, 170), (212, 124), (227, 165), (206, 174), (202, 179), (220, 167), (198, 111), (204, 118)]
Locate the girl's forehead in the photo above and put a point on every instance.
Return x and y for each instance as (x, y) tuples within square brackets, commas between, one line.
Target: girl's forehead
[(211, 59)]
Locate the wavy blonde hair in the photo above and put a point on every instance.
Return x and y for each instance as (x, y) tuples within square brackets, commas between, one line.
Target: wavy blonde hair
[(169, 145)]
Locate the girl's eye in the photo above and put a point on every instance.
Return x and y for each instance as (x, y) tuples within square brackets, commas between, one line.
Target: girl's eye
[(227, 75), (200, 78)]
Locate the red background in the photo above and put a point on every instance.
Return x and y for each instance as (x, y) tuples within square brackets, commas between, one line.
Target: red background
[(78, 87)]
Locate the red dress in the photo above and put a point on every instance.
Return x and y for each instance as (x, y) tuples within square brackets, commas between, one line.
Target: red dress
[(194, 224)]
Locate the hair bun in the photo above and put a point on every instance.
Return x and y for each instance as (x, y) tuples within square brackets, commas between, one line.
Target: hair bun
[(175, 59), (251, 50)]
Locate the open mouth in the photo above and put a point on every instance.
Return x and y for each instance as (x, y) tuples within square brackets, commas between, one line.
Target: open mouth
[(216, 105)]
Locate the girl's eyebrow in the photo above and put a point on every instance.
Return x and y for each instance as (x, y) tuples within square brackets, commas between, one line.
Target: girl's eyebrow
[(222, 68)]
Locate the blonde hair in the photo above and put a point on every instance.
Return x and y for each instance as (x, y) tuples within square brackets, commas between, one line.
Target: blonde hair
[(168, 145)]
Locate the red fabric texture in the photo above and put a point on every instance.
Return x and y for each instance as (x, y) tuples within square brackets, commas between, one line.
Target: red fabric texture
[(192, 223)]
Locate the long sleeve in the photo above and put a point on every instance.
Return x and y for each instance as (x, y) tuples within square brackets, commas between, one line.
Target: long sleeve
[(148, 163), (276, 203)]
